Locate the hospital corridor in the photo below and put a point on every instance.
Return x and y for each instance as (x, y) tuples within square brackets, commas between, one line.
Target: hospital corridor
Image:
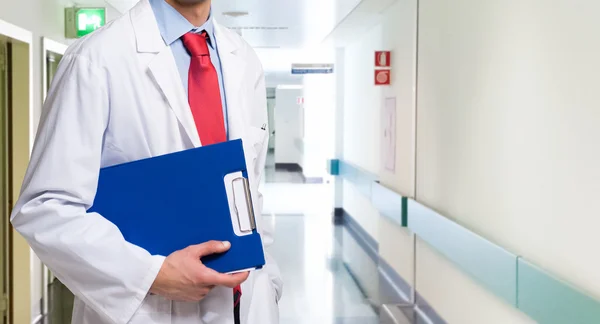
[(299, 162)]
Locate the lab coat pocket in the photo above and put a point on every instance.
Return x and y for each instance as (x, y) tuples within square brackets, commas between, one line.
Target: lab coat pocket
[(264, 308), (154, 309)]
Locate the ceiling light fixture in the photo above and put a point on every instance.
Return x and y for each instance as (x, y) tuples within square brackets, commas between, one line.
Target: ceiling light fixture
[(259, 27)]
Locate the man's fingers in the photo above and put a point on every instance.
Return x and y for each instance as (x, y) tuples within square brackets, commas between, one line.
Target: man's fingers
[(229, 280), (208, 248)]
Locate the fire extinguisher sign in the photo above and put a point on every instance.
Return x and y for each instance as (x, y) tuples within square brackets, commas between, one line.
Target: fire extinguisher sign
[(383, 65), (383, 59)]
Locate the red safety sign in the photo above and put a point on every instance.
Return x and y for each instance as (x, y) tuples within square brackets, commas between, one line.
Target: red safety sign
[(383, 77), (383, 59)]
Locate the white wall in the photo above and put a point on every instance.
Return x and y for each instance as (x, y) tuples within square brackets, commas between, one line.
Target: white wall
[(274, 79), (507, 131), (361, 124), (456, 297), (361, 148), (362, 102), (45, 18), (319, 129), (362, 129), (398, 35), (288, 126), (508, 126)]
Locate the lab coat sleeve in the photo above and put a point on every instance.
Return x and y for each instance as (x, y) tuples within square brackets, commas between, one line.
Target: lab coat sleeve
[(267, 231), (84, 250)]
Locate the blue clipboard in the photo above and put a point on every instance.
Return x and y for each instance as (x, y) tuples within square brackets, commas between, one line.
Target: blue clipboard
[(167, 203)]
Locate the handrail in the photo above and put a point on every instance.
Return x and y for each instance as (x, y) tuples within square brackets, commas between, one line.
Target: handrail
[(536, 292)]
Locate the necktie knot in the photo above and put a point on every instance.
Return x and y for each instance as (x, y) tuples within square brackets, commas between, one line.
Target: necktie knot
[(196, 44)]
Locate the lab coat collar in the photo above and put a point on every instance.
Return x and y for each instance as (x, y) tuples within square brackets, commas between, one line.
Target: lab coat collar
[(173, 25), (226, 42), (147, 33), (166, 75), (149, 38)]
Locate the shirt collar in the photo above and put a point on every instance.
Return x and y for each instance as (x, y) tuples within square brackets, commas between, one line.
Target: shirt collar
[(173, 25)]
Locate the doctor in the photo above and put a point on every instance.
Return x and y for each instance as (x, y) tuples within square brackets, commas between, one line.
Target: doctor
[(163, 78)]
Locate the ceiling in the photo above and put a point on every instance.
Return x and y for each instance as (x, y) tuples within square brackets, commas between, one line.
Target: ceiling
[(272, 23), (283, 31)]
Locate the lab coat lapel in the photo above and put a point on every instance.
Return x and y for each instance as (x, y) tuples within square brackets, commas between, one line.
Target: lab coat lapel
[(166, 75), (163, 67), (233, 67)]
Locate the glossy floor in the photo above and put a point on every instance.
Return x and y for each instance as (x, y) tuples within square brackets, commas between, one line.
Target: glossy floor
[(318, 289)]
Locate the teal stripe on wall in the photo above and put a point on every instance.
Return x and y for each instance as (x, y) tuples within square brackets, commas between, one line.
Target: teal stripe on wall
[(549, 300), (544, 298), (362, 179), (333, 167), (390, 204), (492, 266)]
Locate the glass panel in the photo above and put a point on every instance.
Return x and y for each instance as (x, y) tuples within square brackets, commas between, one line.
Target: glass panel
[(52, 59)]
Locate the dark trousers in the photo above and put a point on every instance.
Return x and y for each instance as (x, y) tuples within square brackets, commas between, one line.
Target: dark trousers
[(236, 313)]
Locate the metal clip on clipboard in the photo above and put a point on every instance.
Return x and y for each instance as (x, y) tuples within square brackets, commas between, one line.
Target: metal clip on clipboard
[(241, 207), (249, 205)]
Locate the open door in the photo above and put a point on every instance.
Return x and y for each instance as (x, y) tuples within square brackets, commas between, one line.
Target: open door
[(16, 110)]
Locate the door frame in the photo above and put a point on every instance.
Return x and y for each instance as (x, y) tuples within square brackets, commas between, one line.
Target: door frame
[(16, 279), (48, 45), (24, 36)]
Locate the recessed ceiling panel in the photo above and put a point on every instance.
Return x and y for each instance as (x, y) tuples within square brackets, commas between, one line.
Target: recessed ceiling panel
[(273, 23)]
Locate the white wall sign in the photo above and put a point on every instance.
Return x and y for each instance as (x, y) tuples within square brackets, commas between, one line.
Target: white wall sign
[(388, 122), (326, 68)]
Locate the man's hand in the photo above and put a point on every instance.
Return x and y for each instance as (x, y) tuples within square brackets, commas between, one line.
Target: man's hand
[(183, 277)]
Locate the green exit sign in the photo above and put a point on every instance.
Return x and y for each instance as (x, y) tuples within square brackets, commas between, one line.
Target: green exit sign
[(82, 21)]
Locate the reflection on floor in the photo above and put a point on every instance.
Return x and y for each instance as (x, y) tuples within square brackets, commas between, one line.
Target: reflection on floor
[(296, 198), (318, 289), (281, 176), (273, 175)]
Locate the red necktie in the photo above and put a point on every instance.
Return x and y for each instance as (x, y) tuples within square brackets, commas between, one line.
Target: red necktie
[(204, 92), (204, 95)]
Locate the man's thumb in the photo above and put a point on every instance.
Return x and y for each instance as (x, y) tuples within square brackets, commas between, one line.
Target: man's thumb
[(211, 247)]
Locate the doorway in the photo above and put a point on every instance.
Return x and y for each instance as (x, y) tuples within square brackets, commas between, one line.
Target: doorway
[(15, 146)]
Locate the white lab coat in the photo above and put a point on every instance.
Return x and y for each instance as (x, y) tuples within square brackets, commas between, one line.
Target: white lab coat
[(118, 97)]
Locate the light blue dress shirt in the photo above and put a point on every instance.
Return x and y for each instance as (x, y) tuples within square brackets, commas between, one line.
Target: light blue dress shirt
[(173, 26)]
